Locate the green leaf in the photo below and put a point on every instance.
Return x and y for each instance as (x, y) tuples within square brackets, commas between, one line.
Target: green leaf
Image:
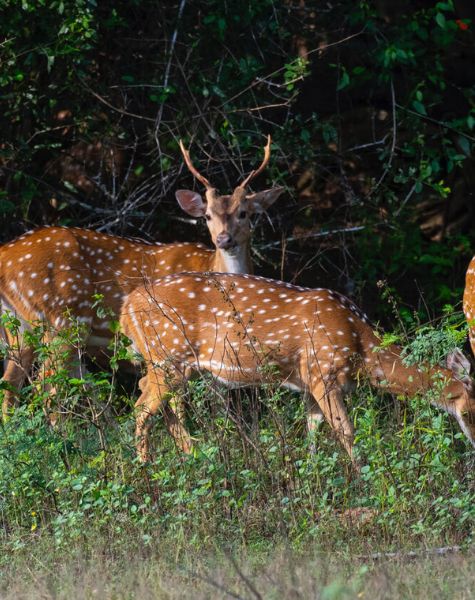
[(445, 5), (6, 207), (221, 25), (420, 108), (465, 145), (344, 81), (50, 62), (441, 20), (423, 33), (114, 326)]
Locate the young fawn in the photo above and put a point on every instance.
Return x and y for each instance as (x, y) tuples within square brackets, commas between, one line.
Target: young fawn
[(235, 326), (52, 274)]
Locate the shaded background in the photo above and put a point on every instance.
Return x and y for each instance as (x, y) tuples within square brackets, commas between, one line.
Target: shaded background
[(370, 106)]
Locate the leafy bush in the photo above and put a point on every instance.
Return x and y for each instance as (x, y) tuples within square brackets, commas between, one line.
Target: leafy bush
[(251, 476)]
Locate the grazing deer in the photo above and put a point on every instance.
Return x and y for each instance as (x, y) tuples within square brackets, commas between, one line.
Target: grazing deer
[(53, 272), (469, 302), (236, 326)]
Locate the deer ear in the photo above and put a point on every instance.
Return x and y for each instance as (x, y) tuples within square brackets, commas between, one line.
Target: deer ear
[(191, 202), (460, 366), (260, 202)]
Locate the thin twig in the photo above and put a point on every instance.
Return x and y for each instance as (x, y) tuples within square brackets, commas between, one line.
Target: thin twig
[(166, 76), (441, 123), (298, 238), (215, 584), (111, 106), (273, 73), (246, 579), (412, 554), (406, 199), (393, 144), (264, 107), (368, 145)]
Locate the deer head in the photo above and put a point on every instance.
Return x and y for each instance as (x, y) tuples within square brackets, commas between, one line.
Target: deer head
[(228, 216), (463, 406)]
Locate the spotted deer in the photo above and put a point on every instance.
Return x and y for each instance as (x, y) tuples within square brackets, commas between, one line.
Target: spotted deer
[(53, 272), (236, 326), (469, 302)]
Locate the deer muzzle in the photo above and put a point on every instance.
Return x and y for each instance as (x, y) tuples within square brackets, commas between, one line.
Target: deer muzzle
[(224, 241)]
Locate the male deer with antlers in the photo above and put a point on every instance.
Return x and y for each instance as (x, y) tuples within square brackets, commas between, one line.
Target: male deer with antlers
[(235, 326), (52, 274)]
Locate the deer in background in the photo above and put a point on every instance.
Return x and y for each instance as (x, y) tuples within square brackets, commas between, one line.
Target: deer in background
[(236, 326), (53, 272), (469, 302)]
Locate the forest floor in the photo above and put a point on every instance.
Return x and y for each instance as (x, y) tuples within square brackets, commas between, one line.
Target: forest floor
[(168, 570)]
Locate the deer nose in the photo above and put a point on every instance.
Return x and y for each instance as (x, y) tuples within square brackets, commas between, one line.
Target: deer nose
[(224, 240)]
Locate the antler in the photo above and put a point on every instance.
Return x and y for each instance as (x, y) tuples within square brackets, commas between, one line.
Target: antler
[(189, 164), (256, 172)]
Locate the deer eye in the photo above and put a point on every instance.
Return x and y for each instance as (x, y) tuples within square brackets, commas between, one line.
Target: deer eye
[(242, 214), (208, 217)]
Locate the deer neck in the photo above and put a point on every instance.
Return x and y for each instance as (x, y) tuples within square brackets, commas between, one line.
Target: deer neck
[(237, 261), (388, 371)]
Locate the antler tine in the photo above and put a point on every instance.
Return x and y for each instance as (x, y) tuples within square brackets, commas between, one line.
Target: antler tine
[(189, 164), (256, 172)]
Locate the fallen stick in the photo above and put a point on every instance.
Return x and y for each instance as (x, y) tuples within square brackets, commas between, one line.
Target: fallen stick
[(412, 554)]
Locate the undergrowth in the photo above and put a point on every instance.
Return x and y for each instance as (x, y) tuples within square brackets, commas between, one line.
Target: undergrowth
[(251, 481)]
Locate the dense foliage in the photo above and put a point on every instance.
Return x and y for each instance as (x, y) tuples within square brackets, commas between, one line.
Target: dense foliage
[(370, 106)]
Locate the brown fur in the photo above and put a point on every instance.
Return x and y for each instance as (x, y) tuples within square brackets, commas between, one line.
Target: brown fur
[(469, 302), (49, 271), (235, 326)]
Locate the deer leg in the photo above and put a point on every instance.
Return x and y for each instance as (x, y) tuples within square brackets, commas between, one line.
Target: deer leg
[(330, 401), (314, 419), (147, 406), (174, 417), (16, 371), (143, 381), (155, 390), (471, 338)]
